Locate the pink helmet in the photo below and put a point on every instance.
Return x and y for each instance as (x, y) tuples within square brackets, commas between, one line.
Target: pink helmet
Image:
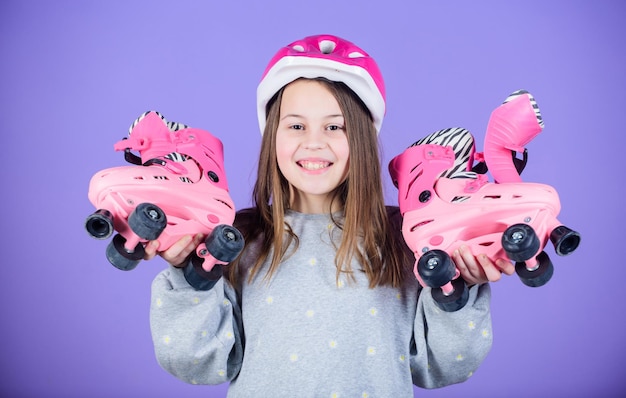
[(324, 56)]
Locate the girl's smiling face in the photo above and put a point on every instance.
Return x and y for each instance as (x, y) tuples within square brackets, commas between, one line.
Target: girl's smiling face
[(311, 145)]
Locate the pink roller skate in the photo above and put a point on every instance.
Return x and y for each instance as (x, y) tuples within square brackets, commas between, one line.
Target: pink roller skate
[(176, 187), (446, 204)]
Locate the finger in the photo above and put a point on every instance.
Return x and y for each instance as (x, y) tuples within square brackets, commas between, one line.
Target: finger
[(151, 250), (177, 253), (492, 273), (467, 266), (180, 251), (505, 266), (459, 263), (473, 268), (197, 239)]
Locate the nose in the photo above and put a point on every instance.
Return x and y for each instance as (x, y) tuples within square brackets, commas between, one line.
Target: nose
[(314, 140)]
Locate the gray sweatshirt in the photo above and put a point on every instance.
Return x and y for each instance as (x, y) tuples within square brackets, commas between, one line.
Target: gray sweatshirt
[(305, 334)]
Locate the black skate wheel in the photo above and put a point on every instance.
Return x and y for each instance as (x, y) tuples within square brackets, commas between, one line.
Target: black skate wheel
[(197, 277), (520, 242), (225, 243), (147, 221), (454, 301), (538, 276), (436, 268), (121, 258)]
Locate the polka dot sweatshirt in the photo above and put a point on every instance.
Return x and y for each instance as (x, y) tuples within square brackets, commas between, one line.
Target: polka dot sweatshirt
[(306, 334)]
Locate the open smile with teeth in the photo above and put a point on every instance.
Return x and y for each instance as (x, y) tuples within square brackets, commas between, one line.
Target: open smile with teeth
[(309, 165)]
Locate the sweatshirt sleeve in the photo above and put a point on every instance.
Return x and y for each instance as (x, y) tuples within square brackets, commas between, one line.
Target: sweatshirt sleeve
[(450, 346), (197, 335)]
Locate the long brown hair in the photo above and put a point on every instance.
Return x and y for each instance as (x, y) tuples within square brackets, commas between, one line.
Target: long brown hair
[(367, 234)]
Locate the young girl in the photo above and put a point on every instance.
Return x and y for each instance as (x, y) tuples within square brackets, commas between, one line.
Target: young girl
[(322, 301)]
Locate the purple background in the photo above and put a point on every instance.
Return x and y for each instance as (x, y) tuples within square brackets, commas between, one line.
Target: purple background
[(75, 74)]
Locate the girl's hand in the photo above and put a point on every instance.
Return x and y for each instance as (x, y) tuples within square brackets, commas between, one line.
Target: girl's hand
[(178, 253), (480, 269)]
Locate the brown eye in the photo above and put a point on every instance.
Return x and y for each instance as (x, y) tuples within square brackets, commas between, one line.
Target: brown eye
[(334, 127)]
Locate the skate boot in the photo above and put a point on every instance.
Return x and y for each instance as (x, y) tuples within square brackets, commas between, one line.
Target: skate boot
[(176, 186)]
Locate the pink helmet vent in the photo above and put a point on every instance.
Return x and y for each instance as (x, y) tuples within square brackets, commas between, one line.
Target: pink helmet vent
[(324, 56)]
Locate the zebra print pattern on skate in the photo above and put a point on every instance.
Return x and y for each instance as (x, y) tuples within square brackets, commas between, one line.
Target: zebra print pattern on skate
[(172, 126), (532, 102), (462, 143), (179, 157)]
